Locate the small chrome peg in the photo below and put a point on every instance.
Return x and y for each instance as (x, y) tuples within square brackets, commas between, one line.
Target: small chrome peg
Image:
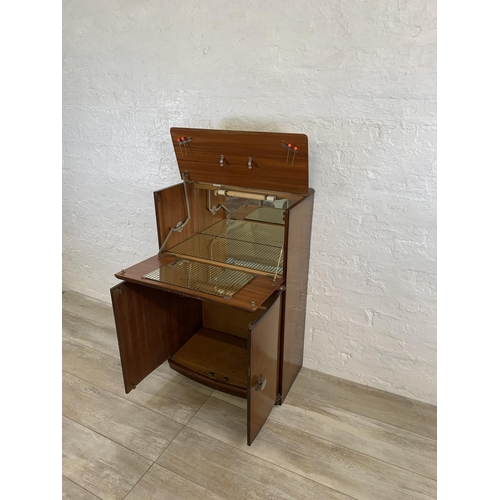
[(249, 162), (221, 161)]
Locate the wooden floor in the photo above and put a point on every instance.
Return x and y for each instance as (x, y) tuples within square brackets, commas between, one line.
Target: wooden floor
[(172, 438)]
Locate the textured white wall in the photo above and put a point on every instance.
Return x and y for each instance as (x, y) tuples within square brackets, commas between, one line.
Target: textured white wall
[(358, 77)]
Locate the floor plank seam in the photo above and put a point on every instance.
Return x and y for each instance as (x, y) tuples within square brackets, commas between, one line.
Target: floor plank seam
[(137, 482), (384, 434), (332, 403), (355, 451), (304, 374), (75, 315), (368, 419), (274, 464), (185, 425), (86, 318), (193, 482), (112, 440), (79, 342), (69, 337), (82, 487), (176, 472), (125, 399), (118, 358), (343, 446), (187, 479)]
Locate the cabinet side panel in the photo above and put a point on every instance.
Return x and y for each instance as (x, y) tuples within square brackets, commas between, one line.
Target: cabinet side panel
[(170, 207), (298, 222)]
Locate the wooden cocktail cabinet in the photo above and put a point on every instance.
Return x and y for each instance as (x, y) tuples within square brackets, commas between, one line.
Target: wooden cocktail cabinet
[(224, 300)]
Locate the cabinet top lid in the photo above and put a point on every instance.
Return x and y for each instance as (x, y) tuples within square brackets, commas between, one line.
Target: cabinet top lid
[(274, 161)]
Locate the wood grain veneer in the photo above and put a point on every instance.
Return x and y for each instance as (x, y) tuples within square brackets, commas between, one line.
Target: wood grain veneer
[(151, 325), (170, 208), (270, 170), (263, 354), (298, 221), (214, 358)]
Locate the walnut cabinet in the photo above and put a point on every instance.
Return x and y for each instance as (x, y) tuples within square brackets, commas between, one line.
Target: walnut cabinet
[(224, 299)]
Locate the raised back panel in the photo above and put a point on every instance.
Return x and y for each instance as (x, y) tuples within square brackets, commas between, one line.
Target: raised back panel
[(274, 167)]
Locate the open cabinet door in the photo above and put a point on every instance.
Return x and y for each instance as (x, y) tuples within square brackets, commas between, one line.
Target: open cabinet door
[(141, 325), (263, 354), (151, 325)]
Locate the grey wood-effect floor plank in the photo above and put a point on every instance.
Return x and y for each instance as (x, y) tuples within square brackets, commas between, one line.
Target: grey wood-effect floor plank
[(87, 307), (385, 442), (234, 474), (178, 399), (102, 338), (342, 469), (379, 440), (228, 398), (98, 464), (133, 426), (161, 484), (87, 332), (414, 416), (71, 491)]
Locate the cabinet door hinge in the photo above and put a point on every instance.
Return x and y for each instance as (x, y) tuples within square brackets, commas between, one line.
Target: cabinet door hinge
[(157, 197), (279, 399)]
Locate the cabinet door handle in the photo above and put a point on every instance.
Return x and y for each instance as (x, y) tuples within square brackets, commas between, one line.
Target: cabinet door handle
[(260, 384)]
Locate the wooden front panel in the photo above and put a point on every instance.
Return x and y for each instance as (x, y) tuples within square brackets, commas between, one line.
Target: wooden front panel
[(298, 221), (272, 167), (151, 325), (263, 354)]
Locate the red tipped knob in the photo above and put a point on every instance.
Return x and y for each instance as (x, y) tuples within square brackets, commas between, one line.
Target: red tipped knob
[(289, 145), (295, 148), (178, 140), (183, 138)]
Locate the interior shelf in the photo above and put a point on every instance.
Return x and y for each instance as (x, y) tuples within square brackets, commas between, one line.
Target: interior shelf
[(202, 277), (254, 232), (267, 214), (216, 358), (246, 245)]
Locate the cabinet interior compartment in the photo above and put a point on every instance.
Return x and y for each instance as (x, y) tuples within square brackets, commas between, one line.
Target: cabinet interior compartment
[(217, 354), (245, 245)]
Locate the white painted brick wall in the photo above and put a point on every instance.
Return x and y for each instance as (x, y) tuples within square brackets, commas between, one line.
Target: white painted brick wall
[(358, 77)]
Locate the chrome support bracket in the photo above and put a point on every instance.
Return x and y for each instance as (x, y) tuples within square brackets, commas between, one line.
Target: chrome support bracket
[(278, 265), (180, 225), (214, 209)]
